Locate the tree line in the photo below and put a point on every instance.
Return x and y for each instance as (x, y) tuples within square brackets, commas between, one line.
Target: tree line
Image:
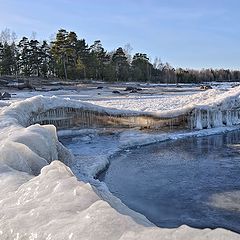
[(68, 57)]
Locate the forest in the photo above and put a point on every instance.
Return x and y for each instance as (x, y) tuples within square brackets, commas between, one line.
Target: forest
[(69, 57)]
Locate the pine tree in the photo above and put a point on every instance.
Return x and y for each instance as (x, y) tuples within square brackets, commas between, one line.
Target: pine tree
[(120, 62), (23, 57), (59, 53), (1, 57), (7, 59), (34, 57), (99, 59), (71, 53), (141, 67), (83, 58), (46, 60)]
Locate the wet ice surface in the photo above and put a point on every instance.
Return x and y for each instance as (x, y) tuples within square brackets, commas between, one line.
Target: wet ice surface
[(188, 181), (91, 149)]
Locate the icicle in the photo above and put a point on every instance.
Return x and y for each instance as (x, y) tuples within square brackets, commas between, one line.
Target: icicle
[(208, 120), (198, 120), (217, 118), (194, 117), (229, 119), (235, 119), (238, 116)]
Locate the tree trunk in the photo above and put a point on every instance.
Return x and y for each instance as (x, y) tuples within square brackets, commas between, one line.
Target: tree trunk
[(84, 73), (65, 70)]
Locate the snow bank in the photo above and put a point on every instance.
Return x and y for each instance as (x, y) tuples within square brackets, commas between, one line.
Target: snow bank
[(54, 204), (168, 106)]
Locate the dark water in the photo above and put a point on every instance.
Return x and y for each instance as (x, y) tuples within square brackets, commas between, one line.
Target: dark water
[(173, 183)]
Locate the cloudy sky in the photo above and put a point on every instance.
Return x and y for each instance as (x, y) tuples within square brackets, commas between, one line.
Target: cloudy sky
[(185, 33)]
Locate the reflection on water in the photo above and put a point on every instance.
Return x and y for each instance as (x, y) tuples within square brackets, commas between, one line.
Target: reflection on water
[(188, 181)]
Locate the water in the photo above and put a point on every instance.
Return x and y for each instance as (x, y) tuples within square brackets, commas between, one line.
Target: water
[(194, 181), (90, 150)]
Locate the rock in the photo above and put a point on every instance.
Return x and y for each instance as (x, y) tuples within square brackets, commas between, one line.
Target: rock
[(205, 87), (100, 87), (133, 89), (209, 87), (6, 95), (129, 88), (26, 84), (116, 92)]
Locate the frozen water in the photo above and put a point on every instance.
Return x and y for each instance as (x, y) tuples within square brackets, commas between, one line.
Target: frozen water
[(192, 181), (91, 151)]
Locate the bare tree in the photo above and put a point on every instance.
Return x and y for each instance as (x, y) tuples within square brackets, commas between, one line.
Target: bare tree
[(127, 49), (13, 37), (5, 35), (33, 35)]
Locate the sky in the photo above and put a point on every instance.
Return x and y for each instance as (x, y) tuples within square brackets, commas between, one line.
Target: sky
[(185, 33)]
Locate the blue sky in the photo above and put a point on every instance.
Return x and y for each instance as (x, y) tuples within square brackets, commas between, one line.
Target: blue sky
[(185, 33)]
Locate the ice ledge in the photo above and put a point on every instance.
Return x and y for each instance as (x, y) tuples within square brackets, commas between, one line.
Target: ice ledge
[(66, 113)]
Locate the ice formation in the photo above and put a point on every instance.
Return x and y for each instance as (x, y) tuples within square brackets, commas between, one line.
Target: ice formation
[(205, 110), (40, 198)]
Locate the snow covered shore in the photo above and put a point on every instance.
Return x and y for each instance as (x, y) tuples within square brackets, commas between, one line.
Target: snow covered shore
[(40, 198)]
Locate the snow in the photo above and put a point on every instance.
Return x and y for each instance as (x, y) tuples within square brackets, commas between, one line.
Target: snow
[(167, 105), (55, 204), (41, 198), (158, 103)]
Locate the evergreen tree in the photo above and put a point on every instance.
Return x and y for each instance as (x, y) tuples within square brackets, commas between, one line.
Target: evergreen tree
[(120, 62), (141, 67), (7, 64), (98, 58), (71, 54), (83, 58), (46, 60), (34, 57), (23, 56), (59, 52), (1, 57)]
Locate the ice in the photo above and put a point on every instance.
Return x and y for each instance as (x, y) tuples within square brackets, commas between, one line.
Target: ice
[(227, 200), (41, 198), (56, 204)]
